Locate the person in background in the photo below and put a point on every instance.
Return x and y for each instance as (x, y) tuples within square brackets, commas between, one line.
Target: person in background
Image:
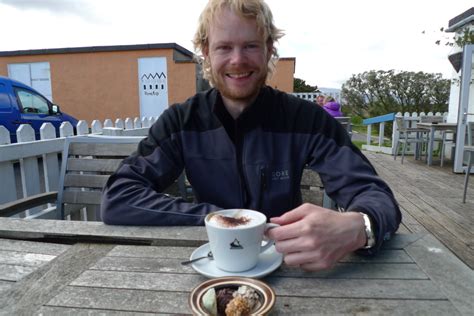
[(332, 107), (320, 100), (245, 145)]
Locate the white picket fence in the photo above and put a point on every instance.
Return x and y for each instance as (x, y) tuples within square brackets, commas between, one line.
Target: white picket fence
[(127, 127), (31, 166)]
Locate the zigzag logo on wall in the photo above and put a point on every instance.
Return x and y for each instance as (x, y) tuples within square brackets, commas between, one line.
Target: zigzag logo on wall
[(153, 82)]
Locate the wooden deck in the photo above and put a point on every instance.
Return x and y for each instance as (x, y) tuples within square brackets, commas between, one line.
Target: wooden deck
[(430, 200)]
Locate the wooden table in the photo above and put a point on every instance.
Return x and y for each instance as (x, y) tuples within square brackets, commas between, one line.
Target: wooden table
[(93, 272), (433, 127)]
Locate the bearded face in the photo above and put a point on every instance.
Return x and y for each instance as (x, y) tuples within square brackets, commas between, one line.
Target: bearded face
[(238, 56)]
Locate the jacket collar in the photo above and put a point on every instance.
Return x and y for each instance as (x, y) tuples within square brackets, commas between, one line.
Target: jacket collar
[(250, 118), (254, 111)]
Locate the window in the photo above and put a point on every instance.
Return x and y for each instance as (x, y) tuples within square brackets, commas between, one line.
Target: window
[(31, 102), (36, 75)]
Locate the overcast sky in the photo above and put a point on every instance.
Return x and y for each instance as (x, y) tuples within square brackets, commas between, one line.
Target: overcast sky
[(331, 40)]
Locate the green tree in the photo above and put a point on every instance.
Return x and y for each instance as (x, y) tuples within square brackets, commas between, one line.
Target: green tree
[(460, 38), (299, 85), (374, 93)]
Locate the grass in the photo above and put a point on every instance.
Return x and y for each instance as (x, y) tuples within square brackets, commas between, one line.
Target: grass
[(358, 144), (363, 129), (360, 128)]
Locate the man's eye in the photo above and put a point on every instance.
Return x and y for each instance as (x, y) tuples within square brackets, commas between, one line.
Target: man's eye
[(252, 46)]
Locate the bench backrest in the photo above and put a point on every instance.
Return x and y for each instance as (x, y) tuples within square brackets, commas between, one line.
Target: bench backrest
[(86, 165), (432, 119)]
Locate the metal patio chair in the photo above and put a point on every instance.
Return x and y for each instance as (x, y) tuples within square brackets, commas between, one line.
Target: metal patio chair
[(439, 137), (409, 135)]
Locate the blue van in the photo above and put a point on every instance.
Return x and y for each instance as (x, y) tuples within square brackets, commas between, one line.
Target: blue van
[(21, 104)]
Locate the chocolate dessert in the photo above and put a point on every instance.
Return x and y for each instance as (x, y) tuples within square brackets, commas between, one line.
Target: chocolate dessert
[(231, 301), (224, 296)]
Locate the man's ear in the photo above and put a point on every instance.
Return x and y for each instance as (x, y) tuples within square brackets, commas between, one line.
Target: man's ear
[(269, 49), (205, 51)]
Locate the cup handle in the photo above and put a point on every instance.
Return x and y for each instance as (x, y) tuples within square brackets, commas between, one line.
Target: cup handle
[(270, 242)]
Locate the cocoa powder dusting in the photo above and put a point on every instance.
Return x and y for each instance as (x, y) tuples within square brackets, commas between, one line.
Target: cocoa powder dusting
[(229, 221)]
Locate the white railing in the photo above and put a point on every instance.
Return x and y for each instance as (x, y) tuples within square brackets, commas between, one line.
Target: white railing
[(310, 96), (32, 166), (409, 118)]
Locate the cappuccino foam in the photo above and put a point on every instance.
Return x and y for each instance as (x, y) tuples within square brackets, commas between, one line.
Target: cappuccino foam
[(229, 221)]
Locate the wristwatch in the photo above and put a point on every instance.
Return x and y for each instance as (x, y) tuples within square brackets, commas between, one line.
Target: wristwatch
[(369, 232)]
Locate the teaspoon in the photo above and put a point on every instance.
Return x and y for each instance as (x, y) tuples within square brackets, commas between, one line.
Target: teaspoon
[(209, 256)]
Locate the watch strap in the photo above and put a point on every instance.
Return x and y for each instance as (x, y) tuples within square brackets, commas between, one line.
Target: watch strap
[(369, 232)]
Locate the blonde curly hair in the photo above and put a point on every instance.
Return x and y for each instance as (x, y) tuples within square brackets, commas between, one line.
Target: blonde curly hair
[(256, 9)]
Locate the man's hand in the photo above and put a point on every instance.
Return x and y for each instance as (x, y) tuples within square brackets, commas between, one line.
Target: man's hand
[(316, 238)]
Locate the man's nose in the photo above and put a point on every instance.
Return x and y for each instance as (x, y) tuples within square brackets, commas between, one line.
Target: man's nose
[(238, 55)]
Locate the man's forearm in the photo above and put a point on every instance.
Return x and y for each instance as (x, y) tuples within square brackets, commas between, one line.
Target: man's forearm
[(126, 202)]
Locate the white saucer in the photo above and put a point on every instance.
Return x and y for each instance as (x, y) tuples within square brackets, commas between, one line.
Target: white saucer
[(268, 261)]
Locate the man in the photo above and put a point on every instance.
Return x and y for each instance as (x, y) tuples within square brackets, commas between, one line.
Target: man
[(245, 145)]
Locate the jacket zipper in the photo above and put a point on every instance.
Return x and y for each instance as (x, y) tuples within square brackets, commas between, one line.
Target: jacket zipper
[(263, 187), (239, 139)]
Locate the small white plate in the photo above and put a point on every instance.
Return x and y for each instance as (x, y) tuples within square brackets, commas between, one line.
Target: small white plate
[(268, 261)]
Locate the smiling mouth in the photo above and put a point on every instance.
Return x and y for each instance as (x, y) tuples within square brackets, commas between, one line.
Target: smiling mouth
[(239, 75)]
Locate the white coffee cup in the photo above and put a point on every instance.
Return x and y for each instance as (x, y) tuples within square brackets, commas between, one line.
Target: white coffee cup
[(236, 242)]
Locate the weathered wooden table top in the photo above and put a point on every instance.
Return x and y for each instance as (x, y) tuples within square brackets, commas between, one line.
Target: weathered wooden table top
[(90, 275)]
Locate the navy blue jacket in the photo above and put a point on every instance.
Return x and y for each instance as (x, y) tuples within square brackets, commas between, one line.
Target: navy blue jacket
[(254, 162)]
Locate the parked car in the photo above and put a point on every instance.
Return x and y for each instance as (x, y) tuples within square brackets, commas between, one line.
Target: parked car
[(21, 104)]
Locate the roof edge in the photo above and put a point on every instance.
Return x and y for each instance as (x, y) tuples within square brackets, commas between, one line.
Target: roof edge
[(461, 20), (94, 49)]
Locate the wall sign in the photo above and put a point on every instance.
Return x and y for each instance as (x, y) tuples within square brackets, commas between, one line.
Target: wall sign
[(152, 85)]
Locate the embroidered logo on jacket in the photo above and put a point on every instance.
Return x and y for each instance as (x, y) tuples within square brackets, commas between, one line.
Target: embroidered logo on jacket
[(280, 175)]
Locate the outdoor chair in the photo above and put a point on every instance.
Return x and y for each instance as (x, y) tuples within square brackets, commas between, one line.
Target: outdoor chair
[(452, 141), (445, 141), (469, 151), (408, 135), (87, 163), (440, 138), (312, 190)]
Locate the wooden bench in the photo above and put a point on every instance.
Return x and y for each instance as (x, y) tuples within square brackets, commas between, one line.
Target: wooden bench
[(87, 163)]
